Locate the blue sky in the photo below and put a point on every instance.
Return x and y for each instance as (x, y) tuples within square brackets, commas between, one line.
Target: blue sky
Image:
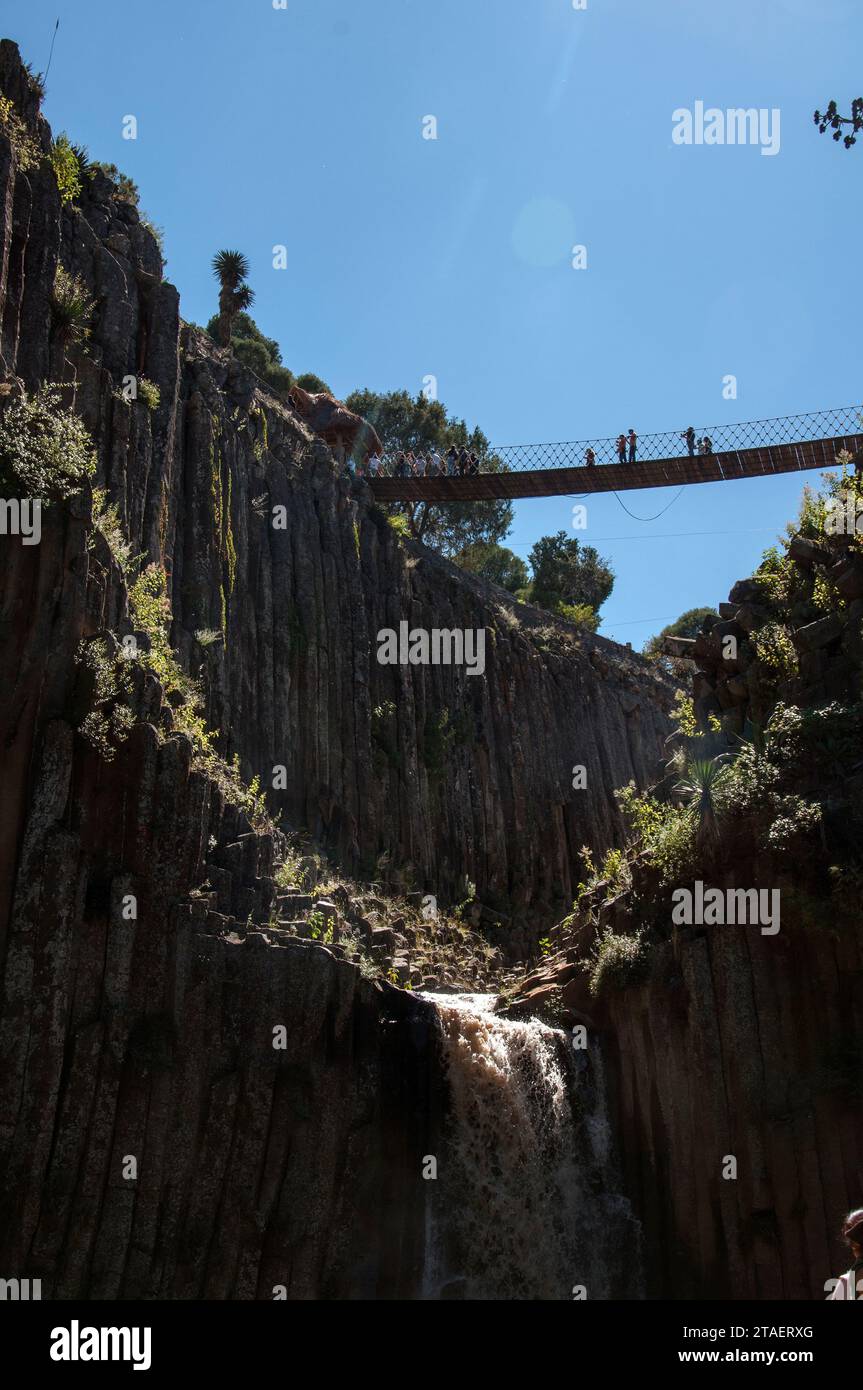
[(452, 257)]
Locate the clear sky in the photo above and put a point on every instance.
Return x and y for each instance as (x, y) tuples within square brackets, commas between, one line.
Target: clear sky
[(410, 257)]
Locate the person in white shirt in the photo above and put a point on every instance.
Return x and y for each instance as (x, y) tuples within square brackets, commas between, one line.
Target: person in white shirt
[(374, 466), (850, 1284)]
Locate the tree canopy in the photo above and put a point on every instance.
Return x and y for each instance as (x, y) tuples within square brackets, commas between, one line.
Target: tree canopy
[(419, 424), (567, 574), (495, 563)]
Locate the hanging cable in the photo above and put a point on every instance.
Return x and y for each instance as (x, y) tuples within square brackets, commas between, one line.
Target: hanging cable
[(647, 518)]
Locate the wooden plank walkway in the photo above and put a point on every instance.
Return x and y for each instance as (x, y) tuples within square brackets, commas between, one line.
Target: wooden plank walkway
[(621, 477)]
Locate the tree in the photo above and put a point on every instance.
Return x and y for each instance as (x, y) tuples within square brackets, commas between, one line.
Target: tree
[(831, 120), (230, 269), (262, 354), (309, 381), (419, 424), (566, 573), (495, 563), (689, 624)]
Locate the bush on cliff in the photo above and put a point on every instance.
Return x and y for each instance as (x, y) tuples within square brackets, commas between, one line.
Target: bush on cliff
[(64, 162), (45, 451)]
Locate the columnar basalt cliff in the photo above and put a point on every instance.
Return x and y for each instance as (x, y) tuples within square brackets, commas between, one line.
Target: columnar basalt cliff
[(295, 681), (143, 974)]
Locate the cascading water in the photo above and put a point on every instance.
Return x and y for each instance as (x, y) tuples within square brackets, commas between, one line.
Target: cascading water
[(524, 1206)]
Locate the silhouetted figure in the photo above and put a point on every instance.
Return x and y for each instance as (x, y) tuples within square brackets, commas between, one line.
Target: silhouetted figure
[(689, 436), (852, 1234), (451, 461), (633, 445)]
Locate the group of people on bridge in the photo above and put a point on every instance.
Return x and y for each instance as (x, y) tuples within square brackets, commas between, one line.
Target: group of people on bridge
[(454, 463), (626, 446), (460, 462)]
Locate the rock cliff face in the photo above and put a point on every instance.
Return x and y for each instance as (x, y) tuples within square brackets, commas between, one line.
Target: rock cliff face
[(295, 682), (153, 1140), (749, 1047)]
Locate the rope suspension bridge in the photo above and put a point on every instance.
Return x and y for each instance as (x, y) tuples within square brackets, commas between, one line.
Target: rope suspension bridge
[(786, 444)]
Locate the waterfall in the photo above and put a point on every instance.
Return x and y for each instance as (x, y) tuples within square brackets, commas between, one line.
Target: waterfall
[(525, 1205)]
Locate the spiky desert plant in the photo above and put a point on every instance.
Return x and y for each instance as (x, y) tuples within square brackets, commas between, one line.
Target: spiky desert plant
[(71, 307), (698, 790), (235, 296)]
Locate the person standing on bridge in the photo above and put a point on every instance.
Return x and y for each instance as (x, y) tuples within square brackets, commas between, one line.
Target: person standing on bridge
[(633, 445), (689, 436), (707, 445), (589, 457), (621, 448)]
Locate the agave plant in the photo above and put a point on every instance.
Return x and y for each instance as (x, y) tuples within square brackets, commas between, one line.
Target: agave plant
[(698, 791), (235, 296)]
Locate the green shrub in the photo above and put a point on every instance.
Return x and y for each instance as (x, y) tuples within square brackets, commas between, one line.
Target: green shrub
[(775, 649), (106, 518), (45, 451), (581, 614), (400, 524), (109, 719), (125, 189), (149, 393), (26, 150), (151, 612), (71, 307), (67, 171), (617, 961)]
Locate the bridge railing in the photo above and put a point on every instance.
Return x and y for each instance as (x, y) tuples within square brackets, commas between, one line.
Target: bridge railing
[(721, 439)]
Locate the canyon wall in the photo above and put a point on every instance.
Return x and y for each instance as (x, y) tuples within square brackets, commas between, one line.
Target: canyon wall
[(153, 1140), (750, 1047), (456, 776)]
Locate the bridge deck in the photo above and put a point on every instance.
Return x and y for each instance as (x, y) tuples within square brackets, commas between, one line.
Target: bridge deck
[(621, 477)]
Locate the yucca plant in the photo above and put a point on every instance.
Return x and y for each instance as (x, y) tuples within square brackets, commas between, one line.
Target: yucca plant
[(71, 307), (235, 296), (86, 167), (698, 791)]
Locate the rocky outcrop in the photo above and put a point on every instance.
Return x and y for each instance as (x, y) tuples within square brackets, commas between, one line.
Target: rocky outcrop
[(347, 434), (805, 651)]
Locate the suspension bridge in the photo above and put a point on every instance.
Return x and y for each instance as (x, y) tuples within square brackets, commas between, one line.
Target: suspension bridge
[(786, 444)]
